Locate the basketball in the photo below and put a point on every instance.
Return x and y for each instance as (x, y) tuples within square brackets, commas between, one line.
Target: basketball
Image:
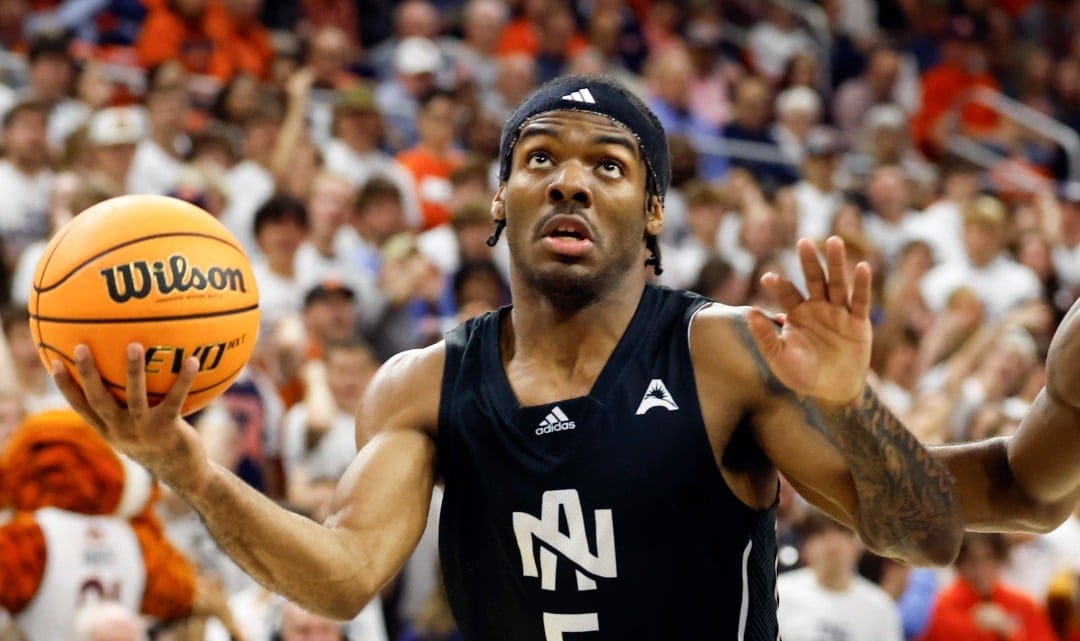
[(152, 270)]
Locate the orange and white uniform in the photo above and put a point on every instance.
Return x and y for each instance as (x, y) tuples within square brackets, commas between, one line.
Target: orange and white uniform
[(80, 527)]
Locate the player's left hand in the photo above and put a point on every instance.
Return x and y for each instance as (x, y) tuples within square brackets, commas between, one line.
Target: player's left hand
[(823, 347)]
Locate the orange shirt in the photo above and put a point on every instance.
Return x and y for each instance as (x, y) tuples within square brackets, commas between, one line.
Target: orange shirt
[(432, 176), (952, 619), (519, 36), (167, 36), (941, 87), (246, 45)]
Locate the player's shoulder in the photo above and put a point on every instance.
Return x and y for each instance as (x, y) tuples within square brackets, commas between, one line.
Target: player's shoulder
[(715, 325), (404, 394), (723, 347)]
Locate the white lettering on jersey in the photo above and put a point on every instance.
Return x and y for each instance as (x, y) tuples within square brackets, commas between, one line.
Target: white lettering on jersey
[(88, 558), (556, 625), (572, 546)]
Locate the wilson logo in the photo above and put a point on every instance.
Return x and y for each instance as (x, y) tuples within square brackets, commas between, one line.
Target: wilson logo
[(139, 279)]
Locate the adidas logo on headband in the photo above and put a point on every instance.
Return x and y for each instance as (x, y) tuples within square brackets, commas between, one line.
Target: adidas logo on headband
[(582, 95)]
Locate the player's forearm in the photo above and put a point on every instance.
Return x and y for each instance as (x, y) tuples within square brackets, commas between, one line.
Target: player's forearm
[(907, 502), (287, 553)]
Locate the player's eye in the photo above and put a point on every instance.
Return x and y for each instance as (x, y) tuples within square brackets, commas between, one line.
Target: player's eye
[(538, 160), (611, 168)]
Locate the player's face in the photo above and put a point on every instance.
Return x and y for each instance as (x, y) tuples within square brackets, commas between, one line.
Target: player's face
[(575, 206)]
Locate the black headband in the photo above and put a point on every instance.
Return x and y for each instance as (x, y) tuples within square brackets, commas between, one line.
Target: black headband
[(601, 96)]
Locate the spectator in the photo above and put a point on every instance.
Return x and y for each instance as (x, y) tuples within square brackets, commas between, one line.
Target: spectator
[(798, 112), (50, 78), (113, 135), (515, 77), (473, 56), (774, 40), (250, 182), (412, 19), (355, 150), (235, 23), (330, 56), (463, 240), (751, 120), (879, 83), (555, 32), (280, 226), (38, 391), (828, 599), (25, 179), (978, 606), (319, 443), (997, 279), (157, 165), (415, 62), (670, 74), (706, 207), (963, 67), (435, 156), (817, 196), (378, 216), (521, 35), (184, 30), (887, 223)]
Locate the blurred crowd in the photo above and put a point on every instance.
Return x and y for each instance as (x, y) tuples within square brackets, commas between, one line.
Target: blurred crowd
[(352, 149)]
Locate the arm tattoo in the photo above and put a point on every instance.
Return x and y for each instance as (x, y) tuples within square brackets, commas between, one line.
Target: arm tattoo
[(907, 500)]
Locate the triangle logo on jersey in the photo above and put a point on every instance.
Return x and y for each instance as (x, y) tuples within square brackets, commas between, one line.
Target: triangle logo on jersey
[(656, 395), (581, 95)]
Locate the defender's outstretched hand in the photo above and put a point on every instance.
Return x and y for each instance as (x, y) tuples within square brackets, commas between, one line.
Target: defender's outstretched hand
[(154, 436), (823, 347)]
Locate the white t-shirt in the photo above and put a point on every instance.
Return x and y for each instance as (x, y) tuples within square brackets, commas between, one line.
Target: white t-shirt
[(330, 455), (360, 168), (24, 207), (941, 225), (816, 209), (810, 612), (889, 237), (249, 185), (153, 171), (1002, 285), (278, 296)]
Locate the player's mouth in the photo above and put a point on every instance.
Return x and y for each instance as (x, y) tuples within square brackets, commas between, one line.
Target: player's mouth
[(566, 235)]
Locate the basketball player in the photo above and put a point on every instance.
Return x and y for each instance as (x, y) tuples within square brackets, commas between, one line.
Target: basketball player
[(609, 450)]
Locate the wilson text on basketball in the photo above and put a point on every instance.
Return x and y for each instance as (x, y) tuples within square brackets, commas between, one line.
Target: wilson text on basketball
[(139, 278)]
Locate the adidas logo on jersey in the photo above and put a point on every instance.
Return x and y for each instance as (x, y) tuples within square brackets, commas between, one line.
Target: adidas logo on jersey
[(657, 395), (581, 95), (555, 421)]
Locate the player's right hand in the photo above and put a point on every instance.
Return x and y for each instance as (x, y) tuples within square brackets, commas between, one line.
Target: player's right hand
[(157, 437)]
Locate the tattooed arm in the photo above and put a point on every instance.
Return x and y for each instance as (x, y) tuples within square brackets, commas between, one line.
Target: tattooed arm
[(802, 393)]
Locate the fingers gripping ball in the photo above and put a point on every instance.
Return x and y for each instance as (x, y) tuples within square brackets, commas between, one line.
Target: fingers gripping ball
[(152, 270)]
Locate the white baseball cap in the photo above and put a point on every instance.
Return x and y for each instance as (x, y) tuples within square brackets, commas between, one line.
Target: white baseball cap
[(115, 126), (415, 55)]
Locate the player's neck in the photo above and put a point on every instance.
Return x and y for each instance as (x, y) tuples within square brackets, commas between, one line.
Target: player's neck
[(539, 328)]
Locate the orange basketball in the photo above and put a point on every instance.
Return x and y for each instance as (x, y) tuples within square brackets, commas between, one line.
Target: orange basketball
[(151, 270)]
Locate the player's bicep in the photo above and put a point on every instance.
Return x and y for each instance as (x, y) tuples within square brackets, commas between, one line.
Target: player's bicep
[(381, 503), (807, 459), (380, 507)]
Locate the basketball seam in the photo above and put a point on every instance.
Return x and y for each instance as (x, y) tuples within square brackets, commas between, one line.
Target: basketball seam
[(145, 319), (73, 270), (44, 268), (109, 383)]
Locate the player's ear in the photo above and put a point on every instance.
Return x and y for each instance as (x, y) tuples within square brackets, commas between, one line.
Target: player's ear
[(654, 216), (498, 203)]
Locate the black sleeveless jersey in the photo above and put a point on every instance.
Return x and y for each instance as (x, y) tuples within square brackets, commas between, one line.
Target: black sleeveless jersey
[(597, 518)]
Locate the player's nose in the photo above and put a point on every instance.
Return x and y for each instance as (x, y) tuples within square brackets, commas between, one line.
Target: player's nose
[(570, 183)]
